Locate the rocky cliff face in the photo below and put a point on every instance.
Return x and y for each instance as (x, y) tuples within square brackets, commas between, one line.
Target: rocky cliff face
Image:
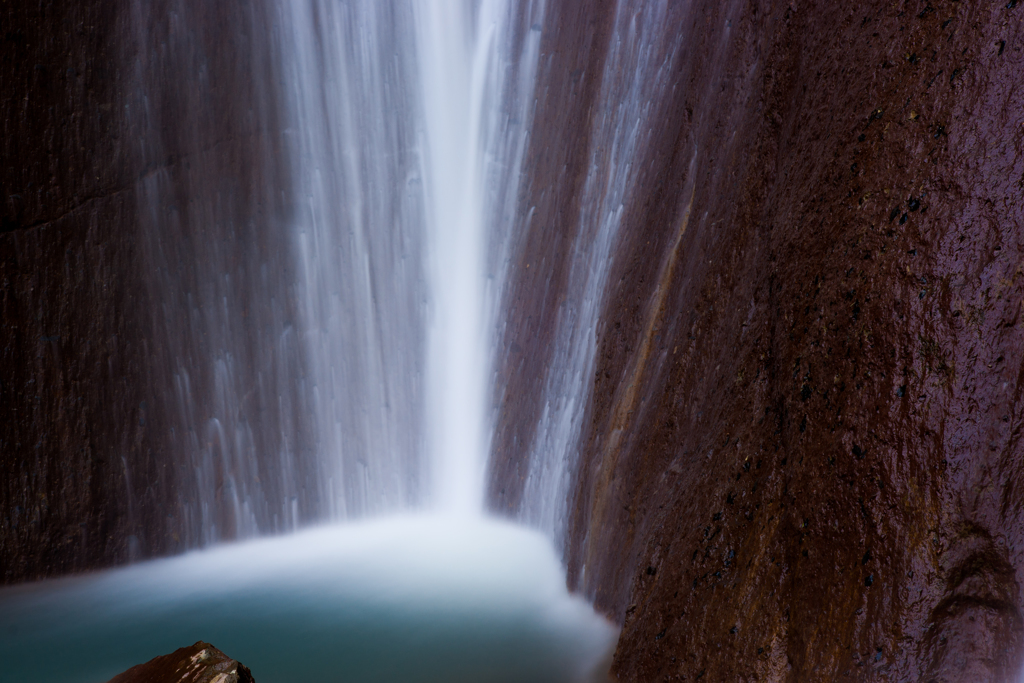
[(122, 126), (802, 454), (70, 361)]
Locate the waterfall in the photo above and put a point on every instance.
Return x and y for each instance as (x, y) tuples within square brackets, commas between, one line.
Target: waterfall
[(396, 116), (325, 331), (226, 368), (450, 52), (323, 352), (359, 229), (474, 143)]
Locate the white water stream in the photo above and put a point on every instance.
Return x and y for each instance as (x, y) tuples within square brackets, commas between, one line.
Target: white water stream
[(453, 55), (398, 119)]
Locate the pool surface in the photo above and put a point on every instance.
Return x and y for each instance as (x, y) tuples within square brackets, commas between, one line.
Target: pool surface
[(416, 598)]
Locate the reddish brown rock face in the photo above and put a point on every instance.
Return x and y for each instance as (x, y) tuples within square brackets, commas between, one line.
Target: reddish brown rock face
[(803, 458)]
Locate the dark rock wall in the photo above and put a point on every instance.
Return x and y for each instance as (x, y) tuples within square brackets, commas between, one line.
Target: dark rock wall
[(803, 455), (115, 116), (70, 358)]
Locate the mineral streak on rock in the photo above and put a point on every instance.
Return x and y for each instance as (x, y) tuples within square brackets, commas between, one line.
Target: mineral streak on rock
[(802, 458), (198, 663)]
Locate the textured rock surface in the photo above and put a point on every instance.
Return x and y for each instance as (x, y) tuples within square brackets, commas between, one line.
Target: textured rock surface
[(198, 663), (119, 124), (803, 457), (70, 362)]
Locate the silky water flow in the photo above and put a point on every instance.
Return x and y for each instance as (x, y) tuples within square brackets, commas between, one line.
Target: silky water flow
[(406, 136)]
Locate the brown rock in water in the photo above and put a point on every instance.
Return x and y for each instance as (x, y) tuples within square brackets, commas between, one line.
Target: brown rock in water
[(802, 456), (199, 663)]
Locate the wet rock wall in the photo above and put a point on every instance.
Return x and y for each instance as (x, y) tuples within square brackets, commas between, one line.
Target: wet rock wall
[(114, 115), (802, 457), (544, 232), (69, 389)]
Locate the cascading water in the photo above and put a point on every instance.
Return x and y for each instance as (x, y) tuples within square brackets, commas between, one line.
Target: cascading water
[(324, 328), (477, 76), (399, 123), (358, 385), (632, 80), (452, 92), (359, 231), (227, 369)]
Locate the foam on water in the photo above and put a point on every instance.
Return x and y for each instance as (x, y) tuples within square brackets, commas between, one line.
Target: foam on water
[(424, 598)]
